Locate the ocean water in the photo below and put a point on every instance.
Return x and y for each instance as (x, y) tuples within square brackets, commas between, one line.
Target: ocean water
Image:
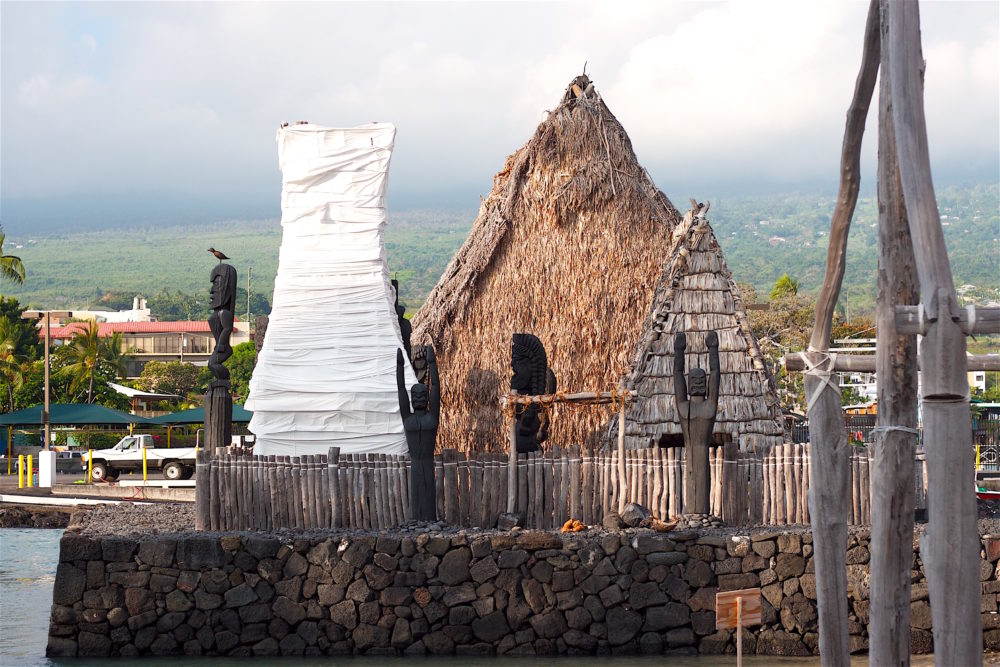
[(28, 559)]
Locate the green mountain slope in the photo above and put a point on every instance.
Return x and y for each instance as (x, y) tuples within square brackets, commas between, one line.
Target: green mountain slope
[(763, 238)]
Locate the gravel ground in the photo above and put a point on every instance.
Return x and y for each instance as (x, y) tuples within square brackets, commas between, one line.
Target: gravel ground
[(143, 520)]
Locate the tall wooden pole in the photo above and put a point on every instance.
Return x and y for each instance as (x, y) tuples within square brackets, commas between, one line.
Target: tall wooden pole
[(45, 411), (512, 462), (830, 450), (896, 369), (950, 548), (622, 477)]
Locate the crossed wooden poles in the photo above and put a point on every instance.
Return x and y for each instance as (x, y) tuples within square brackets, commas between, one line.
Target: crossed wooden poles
[(910, 237)]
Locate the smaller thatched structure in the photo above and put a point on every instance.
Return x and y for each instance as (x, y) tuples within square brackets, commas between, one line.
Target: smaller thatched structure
[(696, 294)]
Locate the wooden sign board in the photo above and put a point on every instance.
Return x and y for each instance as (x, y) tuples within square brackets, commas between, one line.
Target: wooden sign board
[(746, 602)]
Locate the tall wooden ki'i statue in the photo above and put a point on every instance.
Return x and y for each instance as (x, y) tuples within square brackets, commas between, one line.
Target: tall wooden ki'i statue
[(421, 413), (697, 402), (219, 400), (532, 377)]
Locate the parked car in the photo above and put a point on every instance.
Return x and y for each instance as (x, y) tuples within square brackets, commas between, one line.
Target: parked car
[(126, 456)]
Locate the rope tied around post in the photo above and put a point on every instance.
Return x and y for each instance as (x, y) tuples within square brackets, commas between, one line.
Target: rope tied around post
[(823, 370), (546, 403), (620, 398), (887, 429)]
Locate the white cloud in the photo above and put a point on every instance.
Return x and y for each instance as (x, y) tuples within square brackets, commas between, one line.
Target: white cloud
[(186, 97)]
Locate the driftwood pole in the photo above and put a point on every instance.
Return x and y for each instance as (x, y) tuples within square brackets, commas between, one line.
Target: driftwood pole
[(202, 491), (950, 548), (621, 454), (512, 462), (892, 490), (831, 452)]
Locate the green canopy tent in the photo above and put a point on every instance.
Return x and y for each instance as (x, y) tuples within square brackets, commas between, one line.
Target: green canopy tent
[(68, 414), (71, 414), (197, 416)]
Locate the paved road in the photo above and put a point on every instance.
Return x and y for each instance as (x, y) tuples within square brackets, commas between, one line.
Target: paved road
[(8, 483)]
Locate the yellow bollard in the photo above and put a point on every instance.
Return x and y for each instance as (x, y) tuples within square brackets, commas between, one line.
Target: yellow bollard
[(977, 458), (144, 465), (20, 471), (31, 472), (90, 466)]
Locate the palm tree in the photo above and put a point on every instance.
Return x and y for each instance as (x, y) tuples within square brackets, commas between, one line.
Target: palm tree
[(785, 285), (112, 357), (83, 355), (10, 363), (11, 267), (86, 354)]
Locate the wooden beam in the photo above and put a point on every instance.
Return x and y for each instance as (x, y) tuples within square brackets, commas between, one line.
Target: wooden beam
[(578, 397), (950, 547), (830, 450), (970, 319), (865, 363)]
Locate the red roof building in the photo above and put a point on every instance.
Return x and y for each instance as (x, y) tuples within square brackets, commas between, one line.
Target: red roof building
[(190, 341)]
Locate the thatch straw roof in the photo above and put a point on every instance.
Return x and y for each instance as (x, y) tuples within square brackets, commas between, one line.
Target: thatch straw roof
[(567, 246), (697, 294)]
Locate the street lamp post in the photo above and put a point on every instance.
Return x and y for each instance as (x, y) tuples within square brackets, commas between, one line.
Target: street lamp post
[(46, 459)]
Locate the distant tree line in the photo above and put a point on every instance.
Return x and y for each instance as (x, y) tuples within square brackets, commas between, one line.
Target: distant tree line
[(179, 306)]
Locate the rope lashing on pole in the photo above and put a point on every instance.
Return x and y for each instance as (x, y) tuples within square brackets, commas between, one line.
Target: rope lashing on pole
[(823, 370)]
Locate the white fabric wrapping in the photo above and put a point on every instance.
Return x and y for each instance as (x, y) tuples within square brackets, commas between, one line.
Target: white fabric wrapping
[(326, 376)]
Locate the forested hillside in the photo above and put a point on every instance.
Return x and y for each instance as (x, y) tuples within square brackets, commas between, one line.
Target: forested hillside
[(763, 238)]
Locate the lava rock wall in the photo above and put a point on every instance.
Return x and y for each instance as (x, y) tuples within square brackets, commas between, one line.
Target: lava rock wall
[(519, 593)]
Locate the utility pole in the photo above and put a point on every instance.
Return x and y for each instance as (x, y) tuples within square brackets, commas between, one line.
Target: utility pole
[(249, 273), (46, 460)]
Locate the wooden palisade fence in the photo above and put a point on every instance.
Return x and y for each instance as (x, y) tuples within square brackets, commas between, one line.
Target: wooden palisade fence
[(370, 491)]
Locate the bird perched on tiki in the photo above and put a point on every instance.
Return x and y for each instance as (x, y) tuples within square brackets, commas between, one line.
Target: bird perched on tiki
[(218, 254)]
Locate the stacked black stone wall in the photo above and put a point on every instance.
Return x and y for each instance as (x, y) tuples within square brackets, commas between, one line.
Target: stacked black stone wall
[(510, 593)]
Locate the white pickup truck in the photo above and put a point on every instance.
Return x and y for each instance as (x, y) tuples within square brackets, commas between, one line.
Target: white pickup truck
[(126, 456)]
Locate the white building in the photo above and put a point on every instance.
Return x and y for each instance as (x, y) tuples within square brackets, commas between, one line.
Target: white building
[(138, 313)]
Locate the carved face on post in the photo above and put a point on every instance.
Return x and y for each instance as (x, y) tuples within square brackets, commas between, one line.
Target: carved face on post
[(521, 380), (529, 363), (418, 396), (223, 292), (697, 382)]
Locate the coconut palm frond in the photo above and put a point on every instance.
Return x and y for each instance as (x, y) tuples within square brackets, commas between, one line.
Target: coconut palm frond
[(11, 267)]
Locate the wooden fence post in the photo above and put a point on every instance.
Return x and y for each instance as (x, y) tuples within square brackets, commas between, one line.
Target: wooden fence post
[(729, 483), (202, 492), (333, 471), (622, 475), (512, 483)]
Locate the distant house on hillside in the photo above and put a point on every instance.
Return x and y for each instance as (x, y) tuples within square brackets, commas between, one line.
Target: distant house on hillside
[(869, 408), (191, 342), (138, 313)]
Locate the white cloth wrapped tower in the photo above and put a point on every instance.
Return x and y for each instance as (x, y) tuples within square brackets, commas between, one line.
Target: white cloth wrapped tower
[(326, 375)]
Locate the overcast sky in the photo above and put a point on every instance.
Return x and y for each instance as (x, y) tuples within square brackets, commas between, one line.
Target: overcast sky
[(127, 108)]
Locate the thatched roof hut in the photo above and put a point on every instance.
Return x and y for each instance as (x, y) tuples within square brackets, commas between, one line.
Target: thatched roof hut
[(567, 246), (697, 294)]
